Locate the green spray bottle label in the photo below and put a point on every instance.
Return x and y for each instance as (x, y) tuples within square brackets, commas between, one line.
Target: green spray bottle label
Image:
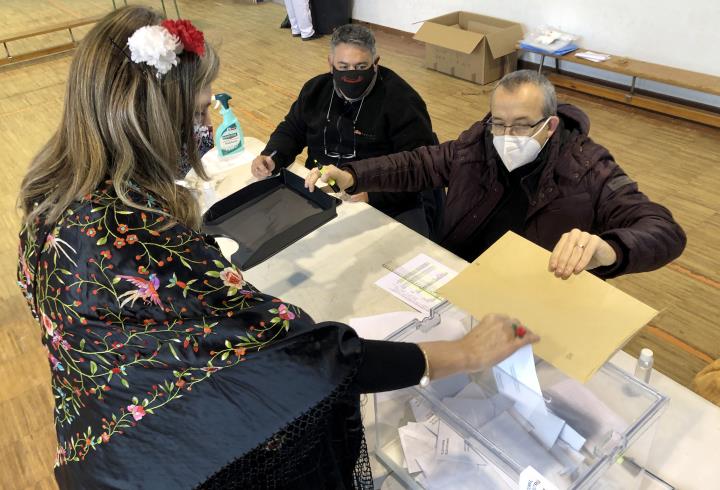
[(230, 138)]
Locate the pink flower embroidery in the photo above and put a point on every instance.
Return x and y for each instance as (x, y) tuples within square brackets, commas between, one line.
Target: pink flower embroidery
[(57, 341), (56, 365), (137, 411), (48, 324), (284, 313), (25, 269), (232, 278)]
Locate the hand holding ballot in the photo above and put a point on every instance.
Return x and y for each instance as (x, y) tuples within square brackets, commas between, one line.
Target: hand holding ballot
[(492, 340), (495, 338)]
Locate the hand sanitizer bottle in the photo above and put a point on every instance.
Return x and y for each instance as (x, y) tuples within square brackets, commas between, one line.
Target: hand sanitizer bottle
[(229, 138), (644, 365)]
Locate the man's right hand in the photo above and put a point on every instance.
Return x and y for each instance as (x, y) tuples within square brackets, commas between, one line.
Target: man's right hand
[(262, 167), (343, 179)]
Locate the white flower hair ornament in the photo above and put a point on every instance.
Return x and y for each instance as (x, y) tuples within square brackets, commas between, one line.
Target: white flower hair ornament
[(159, 45)]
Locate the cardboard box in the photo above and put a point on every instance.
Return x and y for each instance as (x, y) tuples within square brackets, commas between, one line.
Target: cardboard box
[(470, 46)]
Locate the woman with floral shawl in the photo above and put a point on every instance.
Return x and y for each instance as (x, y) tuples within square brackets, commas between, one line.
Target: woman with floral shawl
[(168, 369)]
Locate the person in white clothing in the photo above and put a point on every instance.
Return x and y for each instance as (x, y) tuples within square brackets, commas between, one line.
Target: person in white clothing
[(300, 19)]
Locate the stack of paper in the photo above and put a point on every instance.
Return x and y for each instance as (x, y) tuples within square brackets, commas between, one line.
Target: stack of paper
[(548, 40), (417, 281)]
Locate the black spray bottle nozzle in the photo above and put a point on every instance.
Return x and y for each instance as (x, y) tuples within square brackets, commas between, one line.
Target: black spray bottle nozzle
[(222, 98)]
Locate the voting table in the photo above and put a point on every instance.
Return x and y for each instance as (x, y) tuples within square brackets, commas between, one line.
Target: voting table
[(331, 274)]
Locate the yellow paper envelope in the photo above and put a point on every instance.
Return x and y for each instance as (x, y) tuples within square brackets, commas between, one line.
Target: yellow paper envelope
[(581, 321)]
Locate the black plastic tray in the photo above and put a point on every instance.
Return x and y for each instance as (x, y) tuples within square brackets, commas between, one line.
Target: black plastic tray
[(268, 216)]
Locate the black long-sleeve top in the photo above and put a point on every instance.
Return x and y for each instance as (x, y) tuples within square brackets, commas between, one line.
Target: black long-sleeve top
[(391, 118), (389, 366)]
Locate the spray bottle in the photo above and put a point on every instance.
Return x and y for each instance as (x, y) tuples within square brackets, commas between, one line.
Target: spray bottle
[(229, 138)]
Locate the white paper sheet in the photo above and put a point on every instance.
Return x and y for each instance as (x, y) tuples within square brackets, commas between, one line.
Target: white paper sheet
[(420, 409), (572, 438), (516, 378), (585, 412), (592, 56), (416, 281), (531, 479), (546, 426), (416, 441), (450, 386), (380, 327), (452, 447), (472, 390), (477, 412), (511, 437)]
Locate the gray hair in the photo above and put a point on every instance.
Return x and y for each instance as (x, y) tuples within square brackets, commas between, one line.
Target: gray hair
[(356, 34), (514, 80)]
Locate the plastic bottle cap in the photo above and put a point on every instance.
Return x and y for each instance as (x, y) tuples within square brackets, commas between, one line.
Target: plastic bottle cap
[(646, 354)]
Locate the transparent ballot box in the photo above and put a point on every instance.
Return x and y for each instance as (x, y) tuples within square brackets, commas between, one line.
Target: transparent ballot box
[(483, 430)]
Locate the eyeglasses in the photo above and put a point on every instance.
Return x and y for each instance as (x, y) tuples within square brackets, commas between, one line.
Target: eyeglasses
[(499, 129), (337, 154)]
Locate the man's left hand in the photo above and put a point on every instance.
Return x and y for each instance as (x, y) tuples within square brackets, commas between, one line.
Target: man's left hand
[(361, 197), (578, 251)]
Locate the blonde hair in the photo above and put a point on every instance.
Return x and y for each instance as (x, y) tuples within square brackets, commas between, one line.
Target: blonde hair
[(121, 122)]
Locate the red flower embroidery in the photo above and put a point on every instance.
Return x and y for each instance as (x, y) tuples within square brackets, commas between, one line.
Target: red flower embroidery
[(91, 232), (105, 437), (131, 239), (192, 39), (137, 411), (119, 243), (107, 254), (122, 228)]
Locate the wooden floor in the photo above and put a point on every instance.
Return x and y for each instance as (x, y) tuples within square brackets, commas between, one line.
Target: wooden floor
[(677, 163)]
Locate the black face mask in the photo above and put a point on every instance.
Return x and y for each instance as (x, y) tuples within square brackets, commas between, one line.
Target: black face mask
[(354, 84)]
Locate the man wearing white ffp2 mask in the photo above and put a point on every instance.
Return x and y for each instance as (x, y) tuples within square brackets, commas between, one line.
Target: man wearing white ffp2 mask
[(516, 151), (531, 167)]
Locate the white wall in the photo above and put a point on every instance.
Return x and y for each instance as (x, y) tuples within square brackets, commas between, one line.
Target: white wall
[(683, 34)]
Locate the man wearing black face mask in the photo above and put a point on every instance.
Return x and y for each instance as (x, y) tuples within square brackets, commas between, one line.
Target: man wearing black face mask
[(359, 110)]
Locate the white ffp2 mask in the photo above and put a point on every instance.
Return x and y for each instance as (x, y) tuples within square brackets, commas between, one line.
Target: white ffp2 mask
[(516, 151)]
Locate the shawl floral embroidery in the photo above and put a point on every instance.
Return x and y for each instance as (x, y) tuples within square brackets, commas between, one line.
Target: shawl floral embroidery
[(117, 292)]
